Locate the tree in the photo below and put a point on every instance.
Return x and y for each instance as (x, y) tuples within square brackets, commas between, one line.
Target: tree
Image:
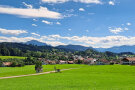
[(1, 63), (30, 61), (14, 63), (38, 67)]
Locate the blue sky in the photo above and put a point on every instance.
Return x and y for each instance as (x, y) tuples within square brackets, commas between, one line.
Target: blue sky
[(96, 23)]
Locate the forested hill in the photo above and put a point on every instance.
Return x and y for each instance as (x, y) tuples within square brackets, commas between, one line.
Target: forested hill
[(53, 53), (20, 49)]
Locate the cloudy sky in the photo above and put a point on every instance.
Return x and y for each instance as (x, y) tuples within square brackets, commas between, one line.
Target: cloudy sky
[(96, 23)]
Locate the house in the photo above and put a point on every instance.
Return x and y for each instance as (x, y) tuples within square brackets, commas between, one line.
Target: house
[(43, 60), (62, 62), (90, 61), (52, 62), (128, 61), (70, 62), (102, 62), (7, 64)]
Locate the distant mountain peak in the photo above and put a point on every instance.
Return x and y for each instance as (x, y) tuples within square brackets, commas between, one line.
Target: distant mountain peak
[(74, 47), (118, 49), (35, 42)]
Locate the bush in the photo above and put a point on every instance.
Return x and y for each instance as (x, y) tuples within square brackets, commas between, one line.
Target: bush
[(79, 62), (111, 63), (14, 64), (20, 64), (1, 63)]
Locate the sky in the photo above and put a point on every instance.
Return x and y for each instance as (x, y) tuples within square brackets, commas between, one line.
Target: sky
[(96, 23)]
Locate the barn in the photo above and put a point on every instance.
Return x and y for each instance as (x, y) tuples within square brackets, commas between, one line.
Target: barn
[(128, 61)]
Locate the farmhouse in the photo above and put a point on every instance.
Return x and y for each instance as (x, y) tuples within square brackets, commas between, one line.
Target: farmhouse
[(128, 61), (102, 62), (90, 61), (62, 62), (70, 62), (7, 63)]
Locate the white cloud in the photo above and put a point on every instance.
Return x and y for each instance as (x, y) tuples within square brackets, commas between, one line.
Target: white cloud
[(27, 5), (128, 24), (104, 42), (89, 1), (34, 25), (35, 34), (116, 30), (81, 9), (47, 22), (12, 32), (54, 40), (42, 12), (35, 20), (58, 23), (126, 28), (25, 39), (81, 1), (55, 1), (16, 39), (54, 43), (111, 3)]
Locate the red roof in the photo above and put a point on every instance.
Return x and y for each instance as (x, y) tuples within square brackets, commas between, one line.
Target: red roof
[(130, 59), (90, 59), (7, 63)]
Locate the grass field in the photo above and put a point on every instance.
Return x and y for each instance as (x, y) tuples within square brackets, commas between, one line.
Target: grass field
[(7, 57), (29, 69), (104, 77)]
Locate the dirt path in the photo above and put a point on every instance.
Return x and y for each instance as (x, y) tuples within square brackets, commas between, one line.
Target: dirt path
[(34, 74)]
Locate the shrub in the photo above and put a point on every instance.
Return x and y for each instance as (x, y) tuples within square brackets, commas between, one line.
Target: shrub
[(111, 63), (79, 62), (14, 64), (1, 63), (20, 64)]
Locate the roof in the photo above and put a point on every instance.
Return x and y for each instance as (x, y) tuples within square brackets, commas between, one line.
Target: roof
[(7, 63), (130, 59), (70, 61), (90, 59), (104, 60), (62, 61)]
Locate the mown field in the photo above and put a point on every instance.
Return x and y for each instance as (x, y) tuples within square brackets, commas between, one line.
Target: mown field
[(7, 57), (30, 69), (100, 77)]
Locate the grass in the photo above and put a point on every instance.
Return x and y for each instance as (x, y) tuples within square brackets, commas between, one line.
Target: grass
[(105, 77), (7, 57), (30, 69)]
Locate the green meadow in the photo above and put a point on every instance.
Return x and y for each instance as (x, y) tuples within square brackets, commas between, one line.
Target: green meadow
[(7, 57), (86, 77), (30, 69)]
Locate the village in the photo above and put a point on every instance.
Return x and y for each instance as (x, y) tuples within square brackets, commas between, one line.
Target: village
[(90, 61)]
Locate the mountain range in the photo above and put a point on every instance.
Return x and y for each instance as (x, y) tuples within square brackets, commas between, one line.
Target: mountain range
[(115, 49)]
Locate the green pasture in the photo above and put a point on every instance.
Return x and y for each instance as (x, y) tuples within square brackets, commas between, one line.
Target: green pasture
[(7, 57), (99, 77), (30, 69)]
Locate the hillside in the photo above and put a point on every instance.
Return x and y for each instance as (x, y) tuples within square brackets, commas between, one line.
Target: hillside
[(74, 47)]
